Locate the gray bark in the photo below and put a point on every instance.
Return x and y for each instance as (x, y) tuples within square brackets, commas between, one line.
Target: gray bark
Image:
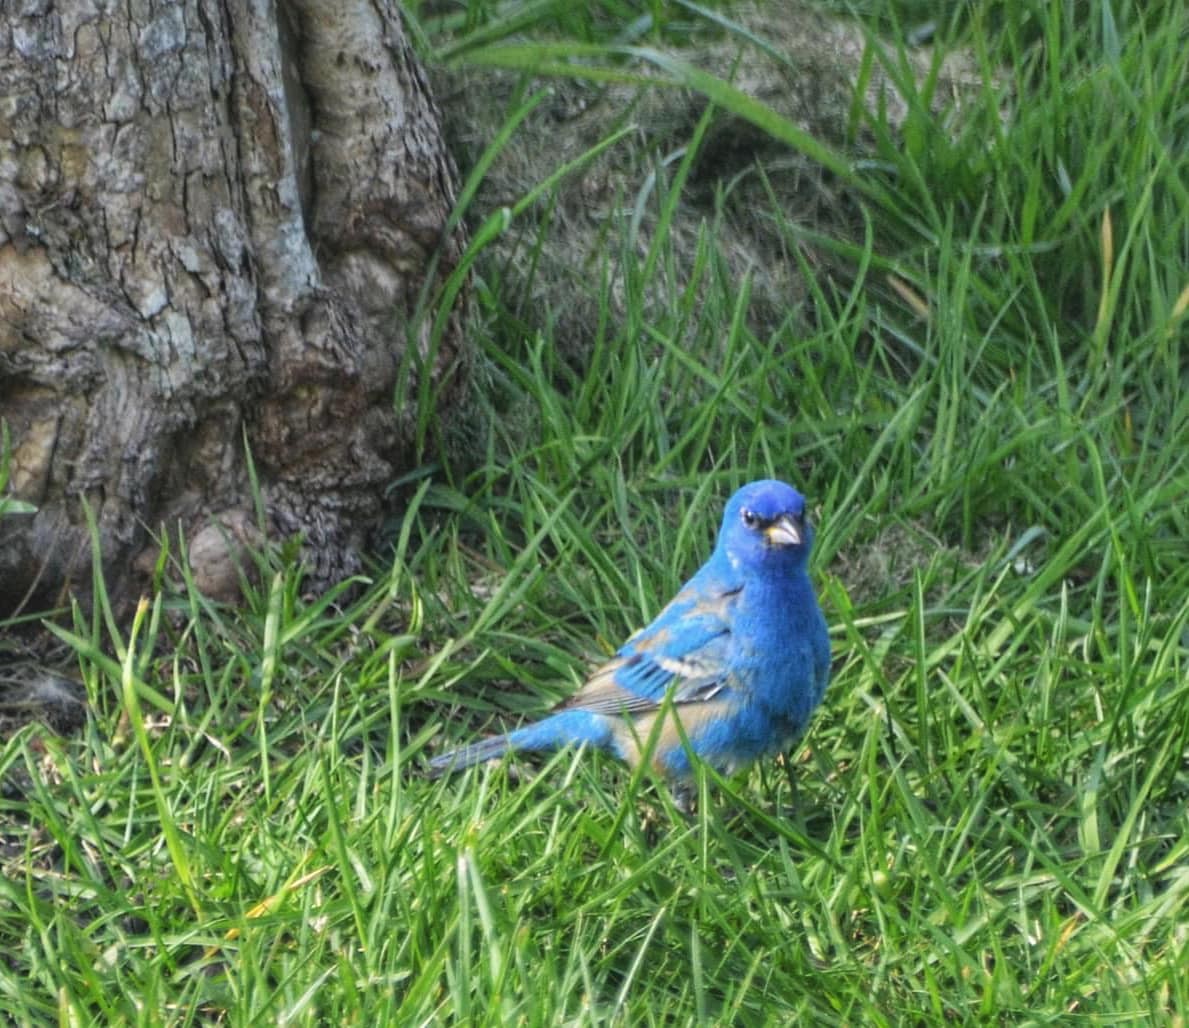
[(215, 221)]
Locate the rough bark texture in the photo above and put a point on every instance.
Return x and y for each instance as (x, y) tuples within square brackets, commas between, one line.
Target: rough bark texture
[(215, 221)]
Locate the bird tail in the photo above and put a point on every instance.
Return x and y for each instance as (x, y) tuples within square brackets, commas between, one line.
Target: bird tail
[(567, 728), (465, 756)]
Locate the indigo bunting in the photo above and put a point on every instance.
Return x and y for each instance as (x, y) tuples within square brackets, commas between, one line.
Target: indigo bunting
[(740, 656)]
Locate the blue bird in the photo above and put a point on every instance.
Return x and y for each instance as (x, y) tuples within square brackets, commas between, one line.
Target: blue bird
[(740, 656)]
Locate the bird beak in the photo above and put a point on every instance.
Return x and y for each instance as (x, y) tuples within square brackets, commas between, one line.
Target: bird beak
[(784, 531)]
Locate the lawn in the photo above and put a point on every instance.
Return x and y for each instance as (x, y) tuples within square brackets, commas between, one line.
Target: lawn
[(981, 385)]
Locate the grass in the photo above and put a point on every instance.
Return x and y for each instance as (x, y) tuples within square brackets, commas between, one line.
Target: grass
[(985, 399)]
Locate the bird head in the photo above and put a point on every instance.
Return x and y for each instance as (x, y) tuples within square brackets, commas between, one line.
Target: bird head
[(764, 525)]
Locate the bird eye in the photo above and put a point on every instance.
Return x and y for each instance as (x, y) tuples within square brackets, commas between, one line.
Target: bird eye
[(750, 518)]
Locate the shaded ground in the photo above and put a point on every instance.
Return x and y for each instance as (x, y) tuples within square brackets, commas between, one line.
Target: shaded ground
[(806, 73)]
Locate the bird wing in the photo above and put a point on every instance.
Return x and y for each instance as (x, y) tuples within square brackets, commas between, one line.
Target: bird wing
[(684, 650)]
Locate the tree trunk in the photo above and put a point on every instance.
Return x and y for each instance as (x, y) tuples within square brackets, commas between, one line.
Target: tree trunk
[(216, 220)]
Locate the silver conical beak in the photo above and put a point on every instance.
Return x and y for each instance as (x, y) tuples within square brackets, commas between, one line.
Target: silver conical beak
[(784, 531)]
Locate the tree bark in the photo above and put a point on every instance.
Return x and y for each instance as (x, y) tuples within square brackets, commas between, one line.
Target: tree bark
[(216, 220)]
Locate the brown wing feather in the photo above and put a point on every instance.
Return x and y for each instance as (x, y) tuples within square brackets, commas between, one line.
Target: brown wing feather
[(603, 695)]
